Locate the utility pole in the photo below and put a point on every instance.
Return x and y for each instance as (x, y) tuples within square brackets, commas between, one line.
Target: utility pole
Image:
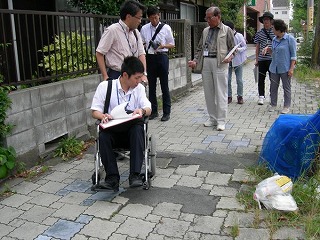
[(310, 17)]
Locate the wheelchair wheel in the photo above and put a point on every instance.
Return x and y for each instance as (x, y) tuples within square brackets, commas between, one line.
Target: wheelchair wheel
[(93, 178), (152, 154)]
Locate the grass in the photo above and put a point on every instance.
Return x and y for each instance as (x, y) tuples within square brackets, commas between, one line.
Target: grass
[(69, 147), (305, 192)]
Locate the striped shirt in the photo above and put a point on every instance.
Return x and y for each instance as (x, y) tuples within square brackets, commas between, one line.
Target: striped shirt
[(263, 41)]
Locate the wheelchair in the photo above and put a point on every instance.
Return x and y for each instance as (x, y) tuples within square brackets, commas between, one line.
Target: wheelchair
[(149, 165)]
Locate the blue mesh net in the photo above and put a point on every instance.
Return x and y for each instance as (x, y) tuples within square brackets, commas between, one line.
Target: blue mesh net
[(291, 144)]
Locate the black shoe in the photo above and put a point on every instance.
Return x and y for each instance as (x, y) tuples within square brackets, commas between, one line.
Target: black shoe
[(165, 117), (135, 180), (153, 116), (111, 183), (229, 100)]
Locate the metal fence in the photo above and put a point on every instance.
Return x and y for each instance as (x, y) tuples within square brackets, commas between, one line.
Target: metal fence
[(41, 47)]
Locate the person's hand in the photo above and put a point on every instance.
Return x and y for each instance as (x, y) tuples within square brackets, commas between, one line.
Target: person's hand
[(227, 60), (106, 117), (192, 64), (265, 50), (256, 63), (290, 72)]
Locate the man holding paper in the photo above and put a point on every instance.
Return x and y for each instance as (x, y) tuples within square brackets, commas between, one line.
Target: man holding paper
[(129, 93), (215, 44)]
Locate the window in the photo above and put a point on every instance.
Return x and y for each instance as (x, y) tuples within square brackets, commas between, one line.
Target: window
[(276, 13), (188, 11), (284, 12)]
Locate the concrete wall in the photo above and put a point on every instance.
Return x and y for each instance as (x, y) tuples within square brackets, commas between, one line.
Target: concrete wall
[(45, 113)]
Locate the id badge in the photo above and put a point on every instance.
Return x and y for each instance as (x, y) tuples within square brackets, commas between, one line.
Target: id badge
[(205, 52)]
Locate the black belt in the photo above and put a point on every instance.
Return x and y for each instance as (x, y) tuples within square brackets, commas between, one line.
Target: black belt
[(211, 56)]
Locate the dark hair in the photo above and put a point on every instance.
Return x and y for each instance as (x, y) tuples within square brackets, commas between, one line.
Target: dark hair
[(132, 65), (131, 7), (229, 24), (152, 10), (280, 25)]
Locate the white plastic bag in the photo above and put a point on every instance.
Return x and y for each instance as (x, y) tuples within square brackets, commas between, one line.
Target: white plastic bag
[(274, 193), (256, 73)]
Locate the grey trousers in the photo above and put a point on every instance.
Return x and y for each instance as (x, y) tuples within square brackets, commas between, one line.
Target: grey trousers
[(274, 86), (215, 85)]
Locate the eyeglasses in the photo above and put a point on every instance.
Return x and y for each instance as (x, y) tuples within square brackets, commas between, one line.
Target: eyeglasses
[(139, 18), (208, 18)]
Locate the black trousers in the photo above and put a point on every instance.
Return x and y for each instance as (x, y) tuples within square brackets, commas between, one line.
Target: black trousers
[(263, 69), (128, 135), (158, 66)]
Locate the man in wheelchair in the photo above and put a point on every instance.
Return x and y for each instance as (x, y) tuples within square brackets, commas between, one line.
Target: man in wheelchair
[(126, 88)]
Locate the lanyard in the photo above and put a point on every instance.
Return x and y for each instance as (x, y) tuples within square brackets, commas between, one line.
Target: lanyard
[(121, 96), (127, 37), (275, 44)]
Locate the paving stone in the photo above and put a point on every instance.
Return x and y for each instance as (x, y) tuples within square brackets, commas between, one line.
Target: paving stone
[(240, 175), (118, 218), (132, 227), (253, 234), (106, 195), (172, 227), (49, 221), (153, 236), (188, 181), (26, 206), (207, 224), (192, 236), (25, 187), (217, 178), (9, 213), (5, 229), (15, 200), (241, 219), (99, 228), (165, 172), (120, 200), (28, 230), (289, 233), (153, 218), (57, 176), (163, 182), (63, 229), (79, 186), (104, 210), (69, 212), (17, 222), (188, 217), (52, 187), (85, 219), (187, 170), (223, 191), (117, 236), (215, 237), (169, 210), (44, 199), (37, 214), (74, 197), (229, 203), (202, 174), (136, 210)]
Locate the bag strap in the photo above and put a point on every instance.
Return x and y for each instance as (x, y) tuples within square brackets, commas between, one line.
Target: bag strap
[(108, 96), (268, 36), (155, 34)]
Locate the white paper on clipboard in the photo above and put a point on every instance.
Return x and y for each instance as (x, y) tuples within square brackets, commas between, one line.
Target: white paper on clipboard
[(231, 52)]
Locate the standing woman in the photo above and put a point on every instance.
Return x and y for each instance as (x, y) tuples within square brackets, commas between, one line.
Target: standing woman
[(284, 56)]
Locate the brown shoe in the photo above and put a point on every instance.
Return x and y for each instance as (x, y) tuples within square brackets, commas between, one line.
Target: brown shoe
[(229, 100), (240, 100)]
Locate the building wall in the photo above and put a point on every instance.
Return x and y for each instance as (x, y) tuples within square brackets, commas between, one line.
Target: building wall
[(282, 13)]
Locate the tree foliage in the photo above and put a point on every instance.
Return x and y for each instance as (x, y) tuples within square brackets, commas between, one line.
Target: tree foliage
[(300, 14), (230, 10), (104, 6)]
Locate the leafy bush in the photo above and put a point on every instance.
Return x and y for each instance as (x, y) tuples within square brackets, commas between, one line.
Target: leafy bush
[(69, 147), (5, 104), (7, 161), (305, 51), (69, 53)]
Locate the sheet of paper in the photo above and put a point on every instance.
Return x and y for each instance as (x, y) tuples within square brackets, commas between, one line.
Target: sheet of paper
[(231, 52), (120, 112)]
